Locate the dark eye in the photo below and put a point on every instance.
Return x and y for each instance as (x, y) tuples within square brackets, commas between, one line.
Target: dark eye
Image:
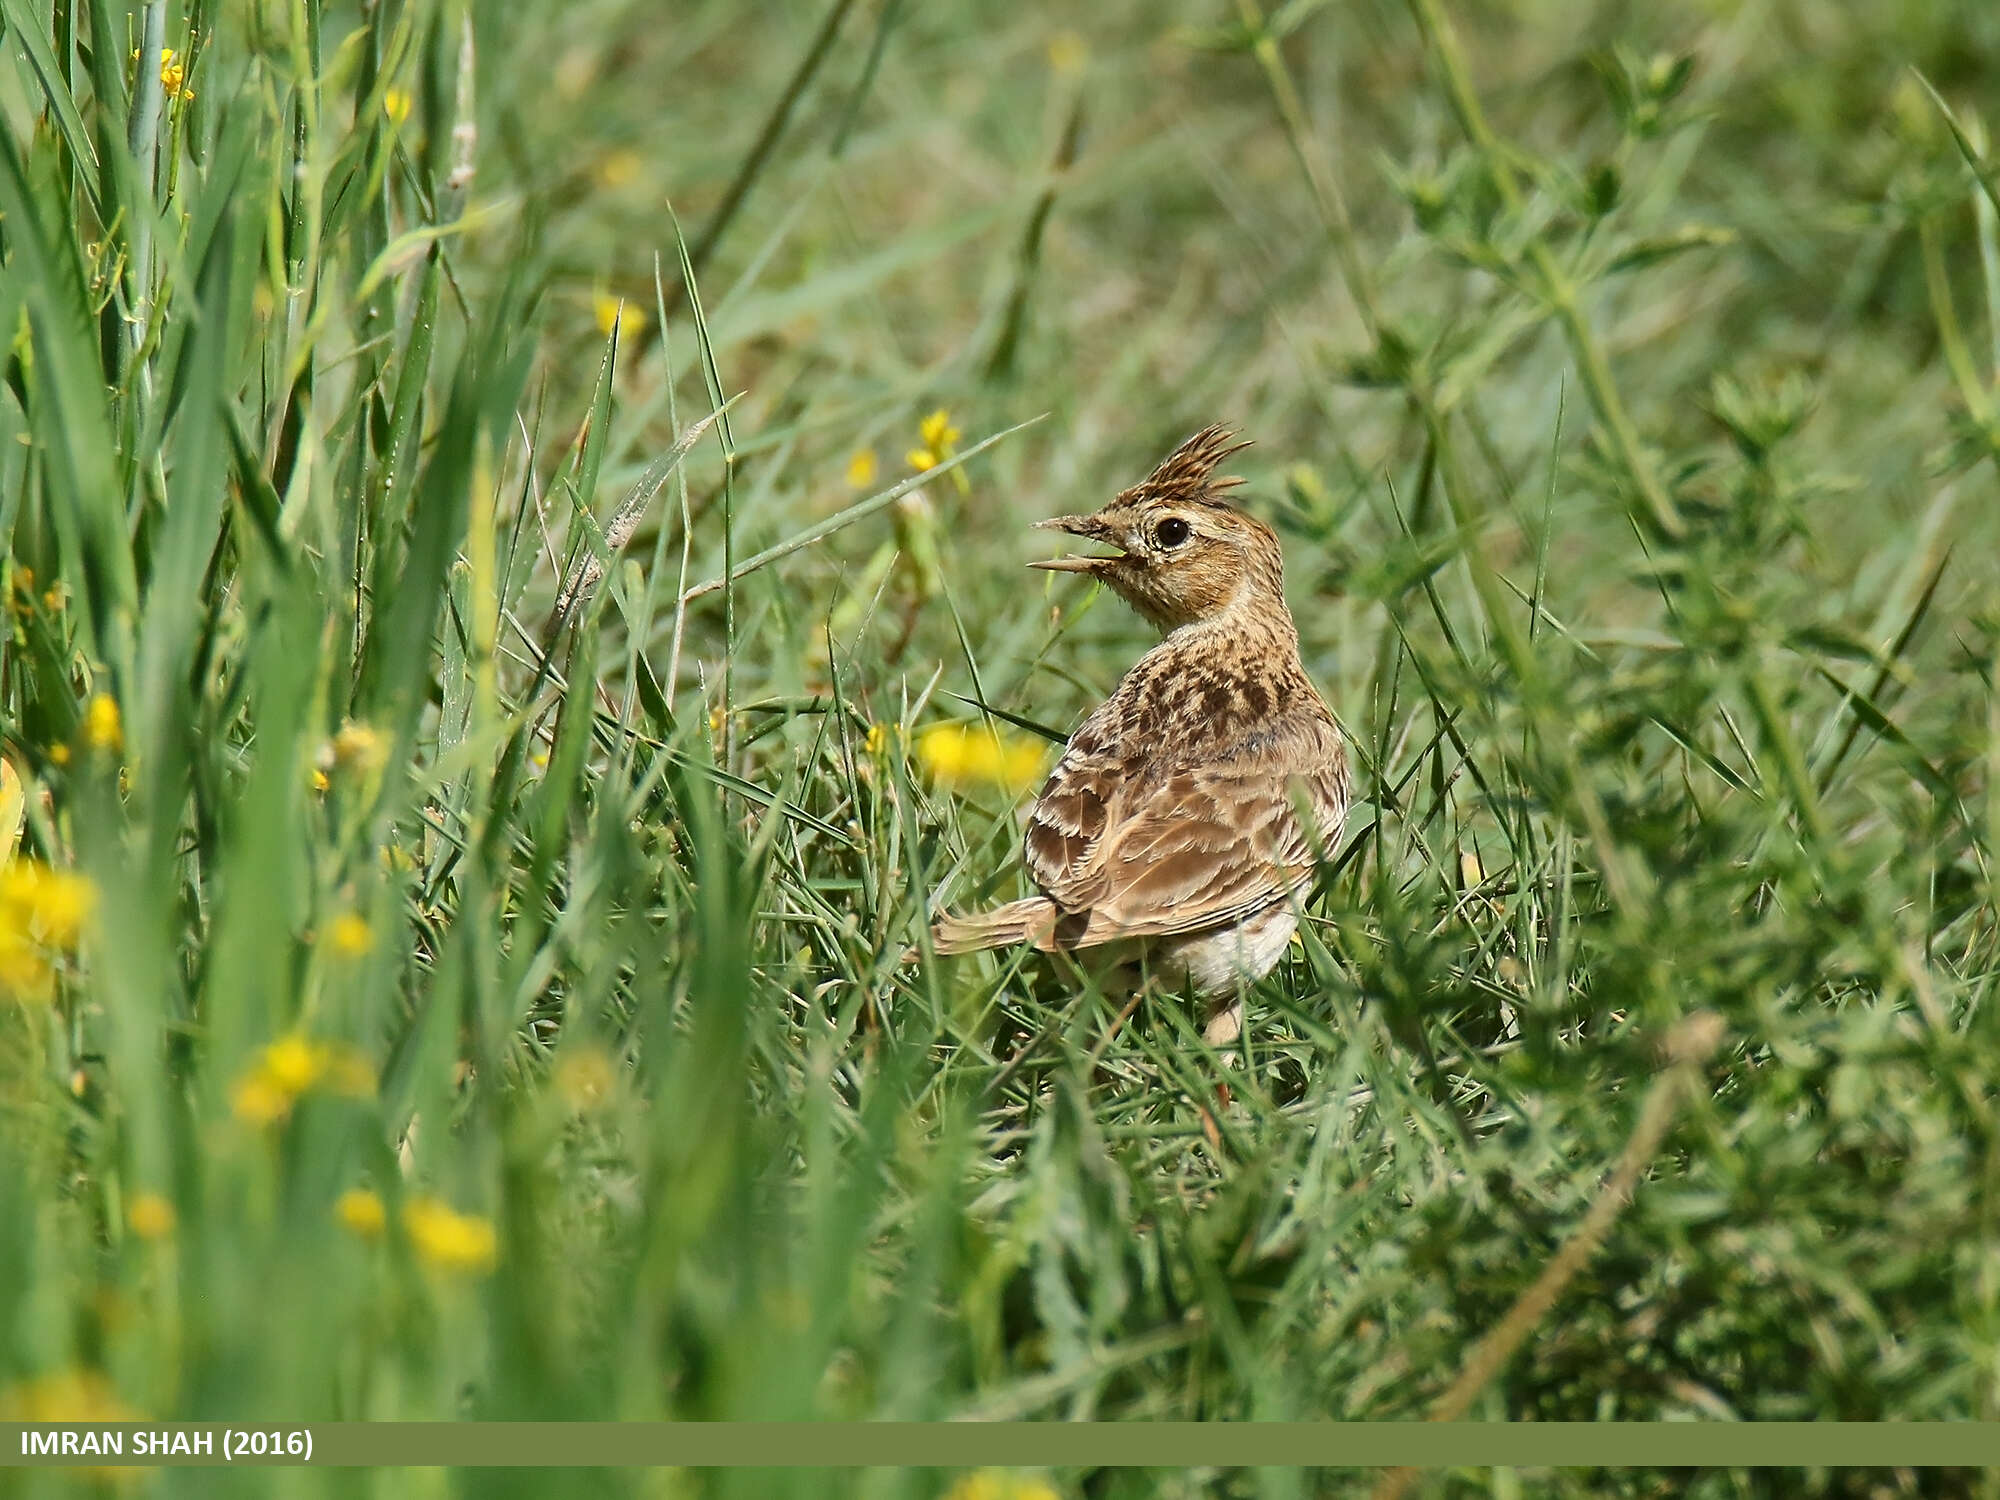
[(1172, 532)]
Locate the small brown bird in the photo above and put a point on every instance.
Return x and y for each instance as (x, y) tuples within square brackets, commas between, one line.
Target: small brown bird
[(1169, 833)]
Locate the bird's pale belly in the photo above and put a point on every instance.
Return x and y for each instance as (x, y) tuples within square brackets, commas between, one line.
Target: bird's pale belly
[(1216, 965), (1222, 960)]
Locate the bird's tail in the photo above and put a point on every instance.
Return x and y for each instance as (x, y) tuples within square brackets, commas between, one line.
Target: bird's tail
[(1017, 922)]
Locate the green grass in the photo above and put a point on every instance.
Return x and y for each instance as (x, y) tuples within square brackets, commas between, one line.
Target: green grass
[(1631, 430)]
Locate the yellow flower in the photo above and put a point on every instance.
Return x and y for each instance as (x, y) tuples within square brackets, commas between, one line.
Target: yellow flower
[(584, 1077), (938, 436), (878, 737), (83, 1396), (292, 1067), (861, 468), (359, 749), (447, 1240), (618, 168), (937, 432), (396, 105), (350, 936), (361, 1213), (49, 905), (1068, 52), (40, 909), (59, 755), (293, 1064), (994, 1484), (173, 75), (151, 1216), (24, 972), (257, 1099), (613, 312), (319, 781), (52, 600), (102, 727), (959, 755)]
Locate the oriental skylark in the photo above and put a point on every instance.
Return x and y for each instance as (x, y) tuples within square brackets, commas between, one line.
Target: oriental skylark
[(1178, 830)]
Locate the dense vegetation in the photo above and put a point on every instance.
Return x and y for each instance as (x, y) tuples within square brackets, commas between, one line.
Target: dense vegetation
[(514, 520)]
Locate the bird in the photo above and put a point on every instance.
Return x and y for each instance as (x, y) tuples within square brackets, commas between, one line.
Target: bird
[(1179, 829)]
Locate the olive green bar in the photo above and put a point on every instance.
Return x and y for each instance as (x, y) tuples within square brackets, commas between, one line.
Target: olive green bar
[(963, 1445)]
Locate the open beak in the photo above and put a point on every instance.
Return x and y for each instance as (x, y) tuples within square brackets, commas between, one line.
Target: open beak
[(1089, 527)]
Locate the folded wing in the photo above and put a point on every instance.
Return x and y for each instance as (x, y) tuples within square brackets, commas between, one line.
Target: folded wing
[(1153, 850)]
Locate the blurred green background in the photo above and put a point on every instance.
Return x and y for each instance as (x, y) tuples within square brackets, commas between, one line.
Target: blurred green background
[(507, 506)]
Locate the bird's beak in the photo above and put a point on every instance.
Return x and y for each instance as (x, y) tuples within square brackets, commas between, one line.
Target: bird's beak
[(1084, 526)]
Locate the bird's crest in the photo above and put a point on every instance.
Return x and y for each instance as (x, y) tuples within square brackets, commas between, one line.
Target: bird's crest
[(1187, 475)]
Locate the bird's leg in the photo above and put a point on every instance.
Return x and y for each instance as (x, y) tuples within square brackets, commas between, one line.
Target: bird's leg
[(1118, 1021), (1225, 1025)]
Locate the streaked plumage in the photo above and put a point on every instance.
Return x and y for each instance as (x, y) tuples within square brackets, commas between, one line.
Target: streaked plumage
[(1169, 832)]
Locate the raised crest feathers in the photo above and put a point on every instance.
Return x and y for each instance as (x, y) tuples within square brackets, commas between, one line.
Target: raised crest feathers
[(1187, 475)]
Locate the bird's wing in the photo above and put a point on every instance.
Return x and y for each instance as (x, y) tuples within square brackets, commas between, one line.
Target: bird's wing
[(1182, 849), (1074, 809)]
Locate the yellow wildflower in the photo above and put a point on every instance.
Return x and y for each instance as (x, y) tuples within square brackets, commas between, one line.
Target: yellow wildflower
[(52, 600), (584, 1077), (151, 1216), (40, 909), (447, 1240), (618, 168), (350, 936), (292, 1067), (1068, 52), (24, 578), (293, 1064), (937, 432), (102, 727), (24, 972), (59, 755), (49, 905), (173, 75), (359, 749), (319, 781), (396, 105), (861, 468), (959, 755), (361, 1213), (938, 437), (256, 1099), (81, 1396), (995, 1484), (878, 737), (613, 312)]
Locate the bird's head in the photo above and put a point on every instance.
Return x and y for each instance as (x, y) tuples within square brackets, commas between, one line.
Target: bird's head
[(1184, 554)]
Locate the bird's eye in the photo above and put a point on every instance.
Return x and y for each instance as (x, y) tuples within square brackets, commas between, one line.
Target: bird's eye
[(1172, 532)]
